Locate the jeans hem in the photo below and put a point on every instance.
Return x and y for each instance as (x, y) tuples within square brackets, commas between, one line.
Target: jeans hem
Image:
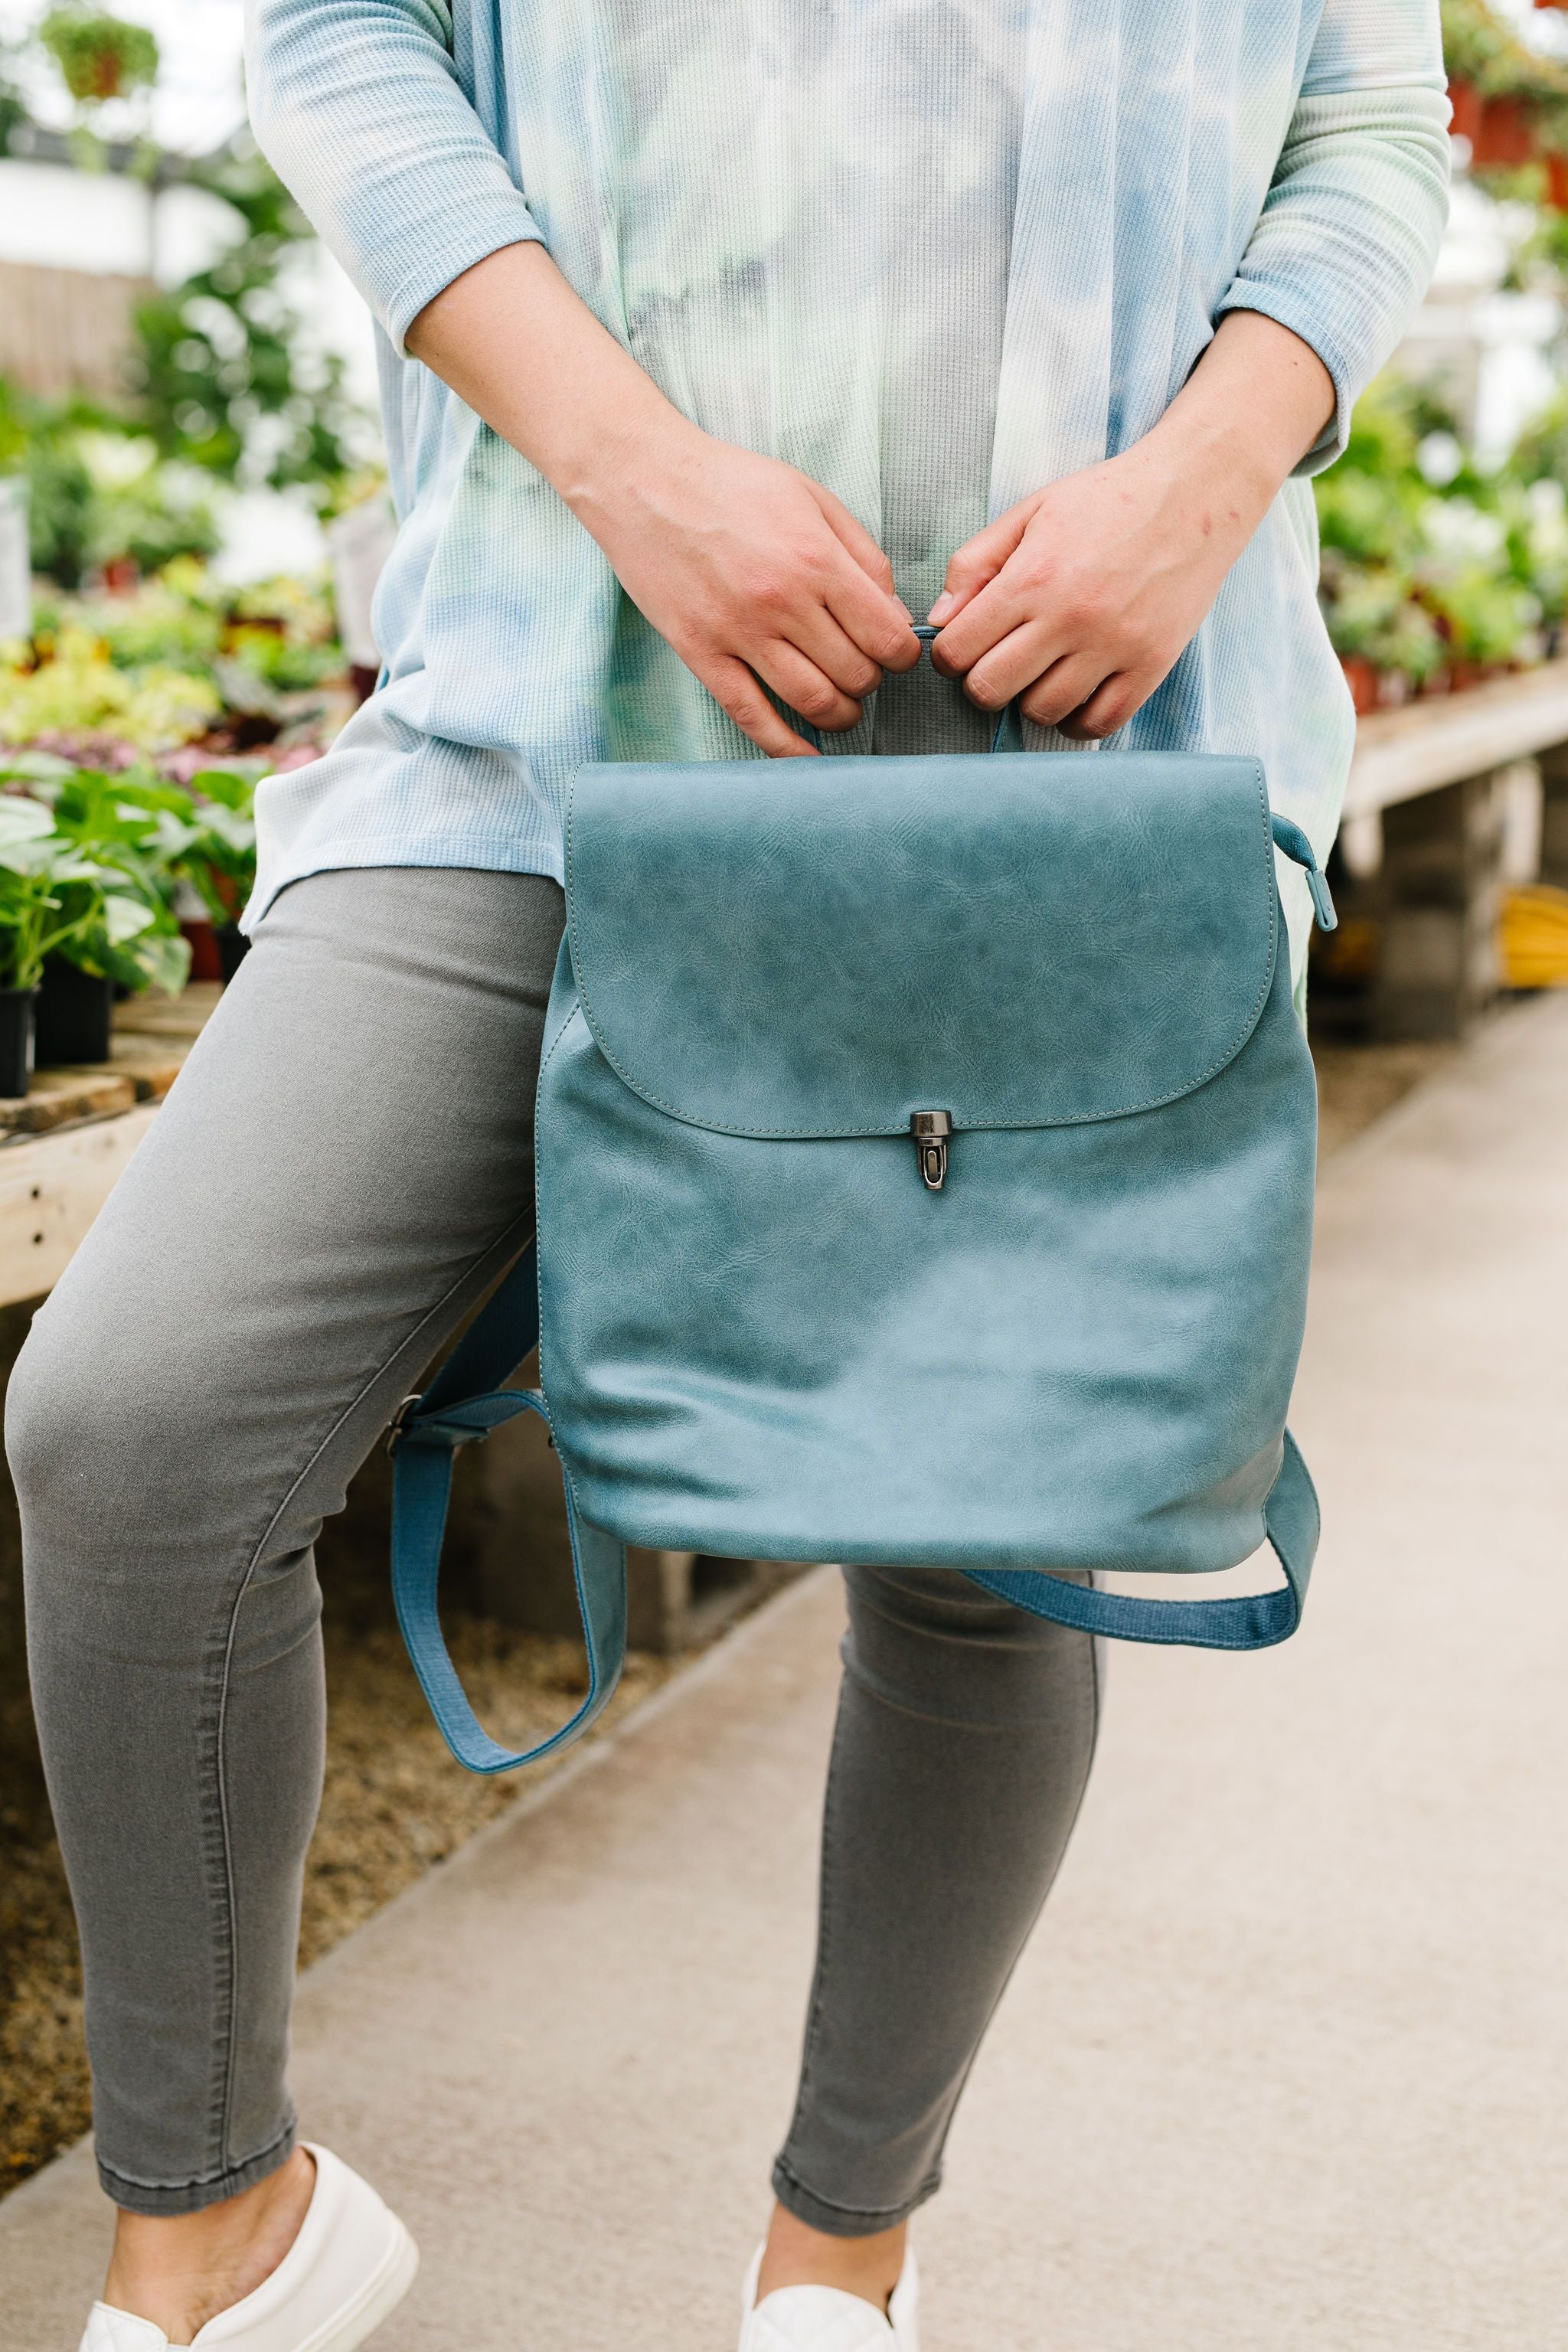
[(845, 2221), (194, 2196)]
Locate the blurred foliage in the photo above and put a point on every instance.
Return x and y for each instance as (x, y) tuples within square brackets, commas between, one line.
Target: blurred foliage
[(224, 376), (181, 660), (223, 383), (78, 689), (1432, 569)]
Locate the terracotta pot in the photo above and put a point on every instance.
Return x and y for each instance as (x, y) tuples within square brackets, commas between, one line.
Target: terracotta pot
[(1360, 677), (1556, 179), (1466, 674), (1506, 133), (1468, 106), (206, 963)]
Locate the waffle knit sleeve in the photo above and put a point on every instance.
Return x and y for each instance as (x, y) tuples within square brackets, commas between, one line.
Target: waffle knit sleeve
[(1348, 236), (357, 105)]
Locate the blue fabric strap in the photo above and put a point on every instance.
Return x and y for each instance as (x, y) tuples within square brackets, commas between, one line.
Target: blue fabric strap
[(464, 1402), (1254, 1621)]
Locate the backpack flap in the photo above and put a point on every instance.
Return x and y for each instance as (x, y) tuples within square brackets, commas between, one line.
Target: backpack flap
[(820, 948)]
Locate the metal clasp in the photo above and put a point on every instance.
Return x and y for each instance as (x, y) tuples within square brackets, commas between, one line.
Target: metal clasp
[(399, 1423), (929, 1131)]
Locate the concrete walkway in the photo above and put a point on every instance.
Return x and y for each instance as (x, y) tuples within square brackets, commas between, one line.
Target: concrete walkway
[(1287, 2068)]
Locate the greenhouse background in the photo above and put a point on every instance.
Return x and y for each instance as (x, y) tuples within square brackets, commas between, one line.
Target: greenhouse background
[(192, 513), (191, 510)]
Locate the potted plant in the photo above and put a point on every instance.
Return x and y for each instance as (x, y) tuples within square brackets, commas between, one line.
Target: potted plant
[(111, 922), (99, 57), (48, 892), (219, 861)]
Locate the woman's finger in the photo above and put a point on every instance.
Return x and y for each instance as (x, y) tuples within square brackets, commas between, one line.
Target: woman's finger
[(1015, 662), (804, 687), (856, 540), (1063, 688), (736, 690), (1008, 602), (1105, 712), (815, 633), (976, 563)]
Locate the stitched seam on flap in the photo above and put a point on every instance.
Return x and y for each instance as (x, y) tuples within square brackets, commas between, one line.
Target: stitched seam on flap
[(993, 1126)]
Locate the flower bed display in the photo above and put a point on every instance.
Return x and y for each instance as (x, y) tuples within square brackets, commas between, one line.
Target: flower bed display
[(133, 729)]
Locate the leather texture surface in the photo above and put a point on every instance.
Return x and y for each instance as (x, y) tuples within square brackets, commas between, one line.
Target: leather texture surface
[(822, 947), (1079, 1353), (766, 1335)]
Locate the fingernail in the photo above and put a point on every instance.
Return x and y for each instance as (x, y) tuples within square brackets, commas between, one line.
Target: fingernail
[(941, 609)]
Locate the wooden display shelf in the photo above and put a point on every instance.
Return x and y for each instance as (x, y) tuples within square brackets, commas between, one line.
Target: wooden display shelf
[(1450, 738), (63, 1144)]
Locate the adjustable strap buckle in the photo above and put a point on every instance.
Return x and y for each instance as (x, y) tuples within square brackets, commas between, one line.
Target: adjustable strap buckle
[(397, 1427)]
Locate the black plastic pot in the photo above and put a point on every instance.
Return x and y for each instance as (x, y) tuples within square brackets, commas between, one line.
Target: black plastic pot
[(75, 1010), (16, 1006), (233, 946)]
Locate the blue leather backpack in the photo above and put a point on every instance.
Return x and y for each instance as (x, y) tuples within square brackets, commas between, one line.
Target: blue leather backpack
[(925, 1168)]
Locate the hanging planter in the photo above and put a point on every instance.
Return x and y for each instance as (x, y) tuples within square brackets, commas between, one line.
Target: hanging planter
[(16, 1012), (99, 57)]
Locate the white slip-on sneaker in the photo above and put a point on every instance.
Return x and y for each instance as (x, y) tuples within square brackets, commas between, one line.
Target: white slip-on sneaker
[(826, 2319), (352, 2263)]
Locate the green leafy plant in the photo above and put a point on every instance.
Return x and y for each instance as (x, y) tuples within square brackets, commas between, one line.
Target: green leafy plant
[(219, 860), (53, 898), (156, 835)]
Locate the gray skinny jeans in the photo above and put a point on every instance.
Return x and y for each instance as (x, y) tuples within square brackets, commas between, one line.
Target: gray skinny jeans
[(344, 1164)]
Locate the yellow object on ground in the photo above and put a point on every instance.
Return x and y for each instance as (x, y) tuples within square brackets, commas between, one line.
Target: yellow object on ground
[(1532, 935)]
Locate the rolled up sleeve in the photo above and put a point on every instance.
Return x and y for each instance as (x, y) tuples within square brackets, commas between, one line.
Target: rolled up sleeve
[(358, 106), (1345, 245)]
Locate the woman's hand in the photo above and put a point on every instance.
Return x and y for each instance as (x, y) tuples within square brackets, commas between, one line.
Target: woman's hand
[(1081, 598), (751, 571), (747, 568)]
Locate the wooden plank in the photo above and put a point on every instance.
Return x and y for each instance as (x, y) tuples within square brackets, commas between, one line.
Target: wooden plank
[(1400, 754), (64, 1098), (181, 1017), (51, 1187)]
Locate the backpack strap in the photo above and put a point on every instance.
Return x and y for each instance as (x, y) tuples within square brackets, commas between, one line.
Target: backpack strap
[(1253, 1622), (465, 1402), (462, 1405)]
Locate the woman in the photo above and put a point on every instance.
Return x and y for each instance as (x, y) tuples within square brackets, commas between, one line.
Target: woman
[(715, 343)]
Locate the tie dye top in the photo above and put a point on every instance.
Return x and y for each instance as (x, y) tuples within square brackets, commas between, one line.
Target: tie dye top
[(937, 253)]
